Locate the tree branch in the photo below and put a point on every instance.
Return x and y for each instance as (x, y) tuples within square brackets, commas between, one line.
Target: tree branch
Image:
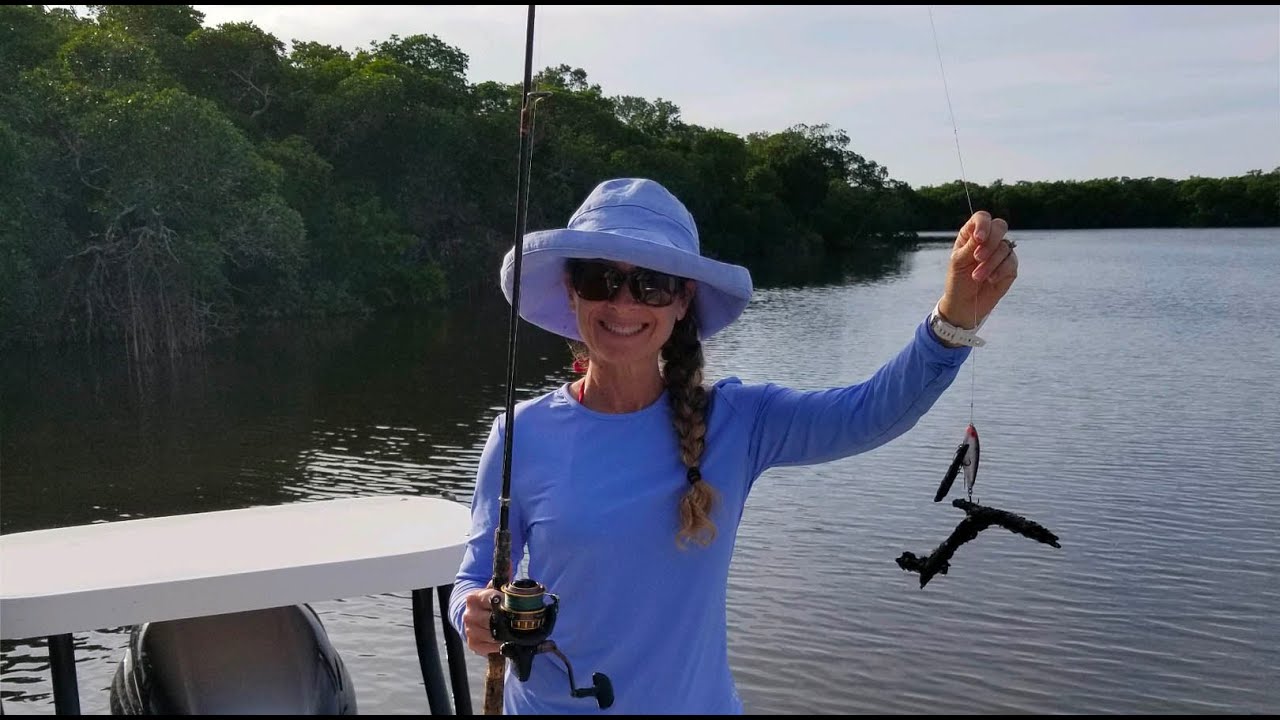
[(266, 94), (977, 518)]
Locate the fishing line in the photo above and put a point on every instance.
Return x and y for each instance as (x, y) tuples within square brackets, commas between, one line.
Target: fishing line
[(973, 369), (977, 517), (951, 111)]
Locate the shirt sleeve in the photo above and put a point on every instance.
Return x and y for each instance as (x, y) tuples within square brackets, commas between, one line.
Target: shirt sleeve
[(795, 427), (477, 562)]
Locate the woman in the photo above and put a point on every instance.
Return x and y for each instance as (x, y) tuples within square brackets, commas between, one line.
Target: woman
[(628, 484)]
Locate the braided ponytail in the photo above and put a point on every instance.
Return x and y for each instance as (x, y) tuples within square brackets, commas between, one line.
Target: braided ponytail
[(682, 371)]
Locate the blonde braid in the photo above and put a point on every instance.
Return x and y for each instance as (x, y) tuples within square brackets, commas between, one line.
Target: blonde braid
[(682, 371)]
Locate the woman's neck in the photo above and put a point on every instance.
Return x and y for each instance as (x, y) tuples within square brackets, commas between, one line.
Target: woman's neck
[(613, 389)]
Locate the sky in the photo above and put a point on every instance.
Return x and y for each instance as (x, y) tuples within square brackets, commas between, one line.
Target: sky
[(1030, 92)]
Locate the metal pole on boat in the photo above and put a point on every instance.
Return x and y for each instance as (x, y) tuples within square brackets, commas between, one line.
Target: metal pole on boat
[(62, 664), (457, 656)]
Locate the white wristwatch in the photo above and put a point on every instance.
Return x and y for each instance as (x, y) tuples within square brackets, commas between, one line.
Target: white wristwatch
[(952, 334)]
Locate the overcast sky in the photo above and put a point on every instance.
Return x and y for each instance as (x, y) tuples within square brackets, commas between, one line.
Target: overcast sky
[(1038, 93)]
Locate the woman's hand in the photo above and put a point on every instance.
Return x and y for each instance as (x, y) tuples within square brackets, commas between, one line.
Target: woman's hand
[(983, 268), (475, 620)]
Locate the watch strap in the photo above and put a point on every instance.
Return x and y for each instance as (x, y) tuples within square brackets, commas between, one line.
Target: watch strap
[(953, 334)]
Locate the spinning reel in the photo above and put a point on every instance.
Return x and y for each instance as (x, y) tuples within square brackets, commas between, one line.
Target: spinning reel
[(522, 622)]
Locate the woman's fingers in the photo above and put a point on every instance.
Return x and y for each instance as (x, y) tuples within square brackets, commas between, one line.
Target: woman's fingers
[(476, 619)]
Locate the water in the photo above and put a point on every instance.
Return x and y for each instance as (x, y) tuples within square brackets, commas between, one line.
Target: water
[(1126, 400)]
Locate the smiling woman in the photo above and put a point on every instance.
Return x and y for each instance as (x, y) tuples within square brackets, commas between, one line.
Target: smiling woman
[(628, 484), (622, 330)]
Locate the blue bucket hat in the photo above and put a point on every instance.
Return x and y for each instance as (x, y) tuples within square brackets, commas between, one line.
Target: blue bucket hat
[(630, 220)]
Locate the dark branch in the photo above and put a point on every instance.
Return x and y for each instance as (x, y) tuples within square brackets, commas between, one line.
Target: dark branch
[(977, 518)]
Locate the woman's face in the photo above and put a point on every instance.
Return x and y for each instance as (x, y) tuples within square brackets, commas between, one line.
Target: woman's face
[(618, 328)]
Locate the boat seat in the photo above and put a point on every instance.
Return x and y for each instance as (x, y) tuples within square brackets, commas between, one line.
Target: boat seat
[(277, 661)]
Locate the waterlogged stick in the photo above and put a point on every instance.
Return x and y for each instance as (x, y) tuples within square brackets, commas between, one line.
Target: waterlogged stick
[(977, 518)]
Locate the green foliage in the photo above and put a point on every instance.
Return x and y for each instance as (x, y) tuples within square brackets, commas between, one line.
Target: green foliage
[(162, 28), (105, 59), (236, 65), (427, 54), (654, 119), (19, 297), (151, 23), (186, 223), (29, 36), (162, 182), (1251, 200), (34, 235)]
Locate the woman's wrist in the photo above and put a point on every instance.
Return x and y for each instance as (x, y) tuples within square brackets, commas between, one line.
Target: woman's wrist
[(949, 315), (951, 335)]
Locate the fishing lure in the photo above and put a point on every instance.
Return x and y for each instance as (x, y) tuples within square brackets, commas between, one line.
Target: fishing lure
[(966, 458), (977, 517)]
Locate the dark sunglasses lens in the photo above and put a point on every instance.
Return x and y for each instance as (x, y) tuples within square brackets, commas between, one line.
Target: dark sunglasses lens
[(595, 282), (598, 281), (653, 288)]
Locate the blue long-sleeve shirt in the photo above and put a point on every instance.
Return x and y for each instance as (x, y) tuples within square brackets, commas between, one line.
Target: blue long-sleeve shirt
[(594, 499)]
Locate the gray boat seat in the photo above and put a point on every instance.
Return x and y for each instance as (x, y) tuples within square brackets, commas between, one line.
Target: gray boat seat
[(262, 662)]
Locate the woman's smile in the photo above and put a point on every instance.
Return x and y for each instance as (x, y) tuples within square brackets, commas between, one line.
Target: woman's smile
[(623, 329)]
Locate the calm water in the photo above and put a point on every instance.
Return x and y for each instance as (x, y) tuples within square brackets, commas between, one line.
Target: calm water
[(1127, 400)]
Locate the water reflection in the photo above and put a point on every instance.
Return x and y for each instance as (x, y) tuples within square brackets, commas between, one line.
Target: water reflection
[(268, 417), (875, 259)]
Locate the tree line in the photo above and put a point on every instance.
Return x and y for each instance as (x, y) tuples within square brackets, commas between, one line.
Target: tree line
[(163, 182)]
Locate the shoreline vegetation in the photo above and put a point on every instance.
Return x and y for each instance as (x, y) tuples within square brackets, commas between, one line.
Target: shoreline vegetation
[(164, 183)]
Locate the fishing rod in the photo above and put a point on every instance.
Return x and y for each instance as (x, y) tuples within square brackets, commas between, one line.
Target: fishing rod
[(522, 621)]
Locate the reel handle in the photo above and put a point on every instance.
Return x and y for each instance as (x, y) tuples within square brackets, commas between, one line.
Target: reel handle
[(601, 689)]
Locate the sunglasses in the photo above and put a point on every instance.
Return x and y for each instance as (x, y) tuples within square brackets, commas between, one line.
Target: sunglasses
[(596, 281)]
